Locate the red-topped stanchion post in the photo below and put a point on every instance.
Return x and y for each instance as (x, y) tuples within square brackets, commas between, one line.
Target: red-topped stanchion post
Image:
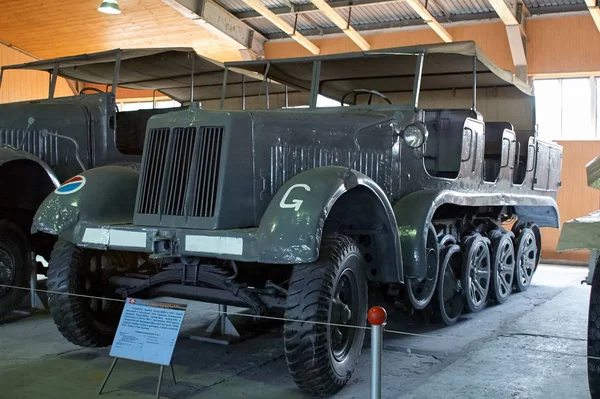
[(377, 317)]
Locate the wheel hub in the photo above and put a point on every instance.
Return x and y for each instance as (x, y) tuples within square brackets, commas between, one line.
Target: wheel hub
[(343, 312), (7, 270)]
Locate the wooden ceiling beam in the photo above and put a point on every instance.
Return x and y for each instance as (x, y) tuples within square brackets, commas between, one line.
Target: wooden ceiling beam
[(284, 26), (594, 11), (420, 9), (221, 23), (342, 24), (512, 13)]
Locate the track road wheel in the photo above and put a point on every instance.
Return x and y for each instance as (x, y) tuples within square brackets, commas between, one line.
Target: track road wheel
[(15, 267), (526, 259), (476, 272), (593, 337), (333, 290), (85, 319), (503, 265), (420, 292), (449, 301)]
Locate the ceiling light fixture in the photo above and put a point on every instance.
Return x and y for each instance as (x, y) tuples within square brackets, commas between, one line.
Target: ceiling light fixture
[(109, 7)]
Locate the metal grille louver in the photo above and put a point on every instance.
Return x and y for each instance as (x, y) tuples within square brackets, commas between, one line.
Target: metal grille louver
[(45, 148), (153, 171), (209, 155), (180, 173)]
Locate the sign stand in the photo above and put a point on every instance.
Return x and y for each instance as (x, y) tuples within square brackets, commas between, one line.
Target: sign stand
[(160, 377), (147, 333)]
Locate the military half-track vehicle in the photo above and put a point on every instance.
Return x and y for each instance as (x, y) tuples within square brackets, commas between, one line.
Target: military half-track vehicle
[(584, 233), (45, 142), (404, 188)]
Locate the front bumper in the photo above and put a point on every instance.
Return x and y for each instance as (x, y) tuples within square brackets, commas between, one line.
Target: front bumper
[(226, 244), (243, 245)]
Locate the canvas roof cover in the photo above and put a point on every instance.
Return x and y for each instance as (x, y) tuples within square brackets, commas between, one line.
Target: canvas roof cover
[(166, 69), (445, 66)]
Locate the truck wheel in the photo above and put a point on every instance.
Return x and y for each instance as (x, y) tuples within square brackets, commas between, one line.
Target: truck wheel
[(526, 259), (15, 267), (76, 278), (593, 336), (420, 292), (321, 357), (476, 272), (449, 302), (503, 265)]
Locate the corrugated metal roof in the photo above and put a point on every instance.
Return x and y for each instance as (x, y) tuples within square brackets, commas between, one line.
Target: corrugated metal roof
[(545, 3), (383, 12), (377, 13), (461, 7), (234, 6)]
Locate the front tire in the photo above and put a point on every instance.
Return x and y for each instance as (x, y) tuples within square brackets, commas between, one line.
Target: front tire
[(593, 336), (15, 267), (323, 297), (75, 280)]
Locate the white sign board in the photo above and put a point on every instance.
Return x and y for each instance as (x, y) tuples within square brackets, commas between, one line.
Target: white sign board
[(148, 331)]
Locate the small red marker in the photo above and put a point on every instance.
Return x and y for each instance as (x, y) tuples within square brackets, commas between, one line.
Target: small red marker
[(377, 315)]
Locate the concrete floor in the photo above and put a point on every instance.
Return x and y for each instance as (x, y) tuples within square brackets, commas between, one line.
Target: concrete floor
[(530, 347)]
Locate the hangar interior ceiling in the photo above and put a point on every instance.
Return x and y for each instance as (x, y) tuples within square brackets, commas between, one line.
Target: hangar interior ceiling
[(238, 29)]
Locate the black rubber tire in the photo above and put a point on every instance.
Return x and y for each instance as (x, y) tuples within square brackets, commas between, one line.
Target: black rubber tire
[(502, 239), (15, 245), (417, 299), (526, 235), (471, 247), (307, 345), (450, 267), (72, 314), (593, 336)]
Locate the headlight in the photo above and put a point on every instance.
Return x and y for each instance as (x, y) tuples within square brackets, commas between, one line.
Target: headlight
[(415, 134)]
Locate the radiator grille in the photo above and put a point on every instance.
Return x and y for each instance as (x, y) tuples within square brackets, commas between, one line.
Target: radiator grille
[(153, 171), (205, 197), (179, 171), (45, 148), (181, 167)]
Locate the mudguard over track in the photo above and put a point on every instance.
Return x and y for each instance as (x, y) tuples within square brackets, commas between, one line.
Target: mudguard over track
[(415, 211)]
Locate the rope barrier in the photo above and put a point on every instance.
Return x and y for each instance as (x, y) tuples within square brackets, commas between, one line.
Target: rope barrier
[(216, 312)]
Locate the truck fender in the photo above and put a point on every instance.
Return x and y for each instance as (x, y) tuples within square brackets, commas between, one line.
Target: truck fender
[(104, 195), (415, 211), (8, 154), (292, 226)]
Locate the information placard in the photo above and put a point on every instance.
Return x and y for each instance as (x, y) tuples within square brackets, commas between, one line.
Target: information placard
[(148, 331)]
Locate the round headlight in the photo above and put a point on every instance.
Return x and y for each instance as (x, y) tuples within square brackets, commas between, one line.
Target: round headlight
[(415, 134)]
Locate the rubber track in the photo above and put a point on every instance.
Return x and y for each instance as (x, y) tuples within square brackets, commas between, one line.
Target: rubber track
[(309, 292), (66, 275), (593, 348)]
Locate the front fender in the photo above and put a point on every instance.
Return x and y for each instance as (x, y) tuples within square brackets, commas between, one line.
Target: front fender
[(580, 233), (9, 154), (107, 197), (290, 230)]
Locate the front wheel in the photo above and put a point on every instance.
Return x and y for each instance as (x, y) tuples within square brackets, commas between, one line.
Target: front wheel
[(15, 267), (79, 306), (593, 336), (325, 317)]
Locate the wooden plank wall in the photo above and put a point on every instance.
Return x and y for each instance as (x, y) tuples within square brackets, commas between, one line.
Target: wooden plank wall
[(575, 198), (26, 85)]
